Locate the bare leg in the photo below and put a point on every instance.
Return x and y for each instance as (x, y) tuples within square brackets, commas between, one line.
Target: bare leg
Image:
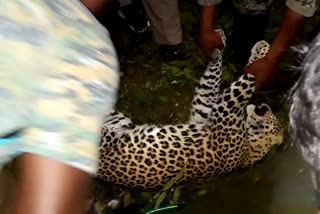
[(50, 187)]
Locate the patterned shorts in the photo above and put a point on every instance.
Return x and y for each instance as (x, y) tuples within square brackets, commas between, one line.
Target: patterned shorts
[(59, 77)]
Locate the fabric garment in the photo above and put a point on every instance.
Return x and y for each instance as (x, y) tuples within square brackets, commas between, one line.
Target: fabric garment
[(164, 20), (305, 8), (59, 77), (247, 31)]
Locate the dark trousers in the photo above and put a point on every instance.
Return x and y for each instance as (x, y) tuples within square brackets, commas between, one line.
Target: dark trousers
[(248, 30)]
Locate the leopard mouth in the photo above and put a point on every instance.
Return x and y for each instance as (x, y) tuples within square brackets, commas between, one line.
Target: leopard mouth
[(261, 109)]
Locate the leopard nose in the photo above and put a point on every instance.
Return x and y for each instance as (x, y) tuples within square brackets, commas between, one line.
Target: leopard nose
[(260, 109)]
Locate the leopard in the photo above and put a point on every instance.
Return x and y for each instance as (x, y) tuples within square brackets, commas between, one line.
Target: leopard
[(223, 133)]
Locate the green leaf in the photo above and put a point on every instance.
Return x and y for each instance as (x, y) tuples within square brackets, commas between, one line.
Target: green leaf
[(164, 99), (199, 59), (202, 192), (156, 195), (176, 195), (189, 76), (174, 69), (187, 70), (169, 184), (177, 63), (233, 68), (165, 66), (180, 174), (195, 80), (160, 199), (227, 76), (99, 206), (148, 84), (178, 74), (141, 97)]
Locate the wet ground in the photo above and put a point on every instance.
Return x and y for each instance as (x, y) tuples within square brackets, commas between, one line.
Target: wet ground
[(156, 92), (280, 185)]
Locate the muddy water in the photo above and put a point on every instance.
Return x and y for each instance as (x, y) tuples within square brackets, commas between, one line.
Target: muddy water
[(281, 185)]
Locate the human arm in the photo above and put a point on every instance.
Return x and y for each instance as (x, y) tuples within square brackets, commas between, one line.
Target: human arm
[(207, 38), (292, 23), (290, 27), (95, 6), (265, 69)]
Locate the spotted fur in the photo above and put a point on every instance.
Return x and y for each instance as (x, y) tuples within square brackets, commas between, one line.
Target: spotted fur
[(259, 50), (208, 89), (217, 138)]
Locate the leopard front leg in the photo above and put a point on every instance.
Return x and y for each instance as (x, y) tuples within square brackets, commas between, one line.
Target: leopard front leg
[(116, 121), (207, 91), (259, 50)]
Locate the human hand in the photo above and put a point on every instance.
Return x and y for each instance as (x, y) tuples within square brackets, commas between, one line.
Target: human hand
[(264, 71), (208, 41), (95, 6)]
